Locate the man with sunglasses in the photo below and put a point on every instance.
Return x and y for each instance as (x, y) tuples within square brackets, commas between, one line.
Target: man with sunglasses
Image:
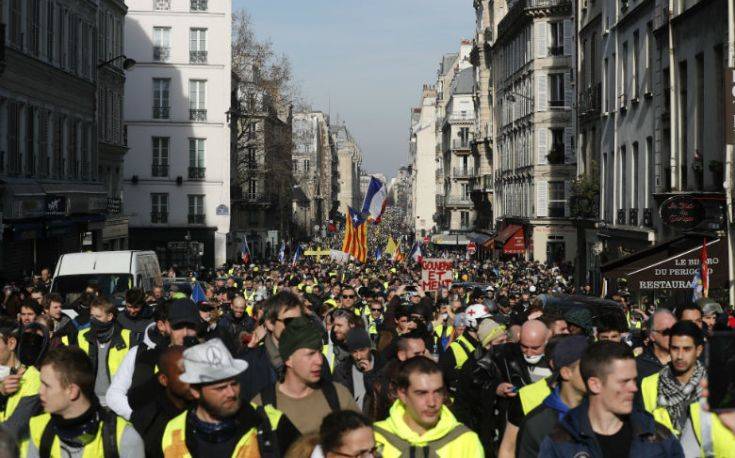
[(374, 320), (176, 323), (350, 301), (656, 355)]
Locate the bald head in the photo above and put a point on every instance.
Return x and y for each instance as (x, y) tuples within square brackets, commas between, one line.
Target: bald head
[(662, 319), (534, 335)]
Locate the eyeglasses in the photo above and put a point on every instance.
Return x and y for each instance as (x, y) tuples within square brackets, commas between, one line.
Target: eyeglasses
[(286, 321), (376, 310), (375, 452), (348, 296)]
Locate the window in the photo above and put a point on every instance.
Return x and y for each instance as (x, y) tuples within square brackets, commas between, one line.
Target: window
[(556, 154), (74, 25), (295, 165), (251, 192), (252, 160), (43, 127), (624, 75), (307, 165), (196, 159), (198, 5), (161, 87), (198, 46), (58, 147), (635, 167), (50, 31), (30, 168), (13, 138), (464, 220), (161, 5), (196, 209), (15, 35), (623, 178), (634, 65), (161, 44), (556, 89), (160, 156), (606, 88), (34, 26), (197, 96), (556, 42), (649, 57), (464, 190), (159, 208), (557, 200)]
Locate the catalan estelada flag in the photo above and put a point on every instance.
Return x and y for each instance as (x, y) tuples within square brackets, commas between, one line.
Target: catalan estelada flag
[(355, 243)]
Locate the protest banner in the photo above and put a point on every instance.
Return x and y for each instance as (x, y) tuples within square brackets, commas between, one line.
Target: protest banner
[(436, 272)]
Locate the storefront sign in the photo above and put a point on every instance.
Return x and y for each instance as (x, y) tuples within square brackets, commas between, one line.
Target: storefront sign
[(55, 205), (516, 244), (436, 272), (682, 212), (730, 106)]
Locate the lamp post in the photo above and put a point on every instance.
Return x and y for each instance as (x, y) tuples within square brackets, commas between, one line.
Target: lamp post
[(128, 63)]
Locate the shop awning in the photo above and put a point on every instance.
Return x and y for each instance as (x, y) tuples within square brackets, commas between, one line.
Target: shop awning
[(450, 239), (671, 265), (507, 233), (478, 237)]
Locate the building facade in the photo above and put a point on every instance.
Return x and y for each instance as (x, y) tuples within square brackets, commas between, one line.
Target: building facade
[(315, 172), (349, 157), (177, 169), (533, 116), (423, 161), (53, 197), (262, 180)]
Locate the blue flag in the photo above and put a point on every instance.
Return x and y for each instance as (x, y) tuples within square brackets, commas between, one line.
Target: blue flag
[(197, 293), (296, 255), (282, 252)]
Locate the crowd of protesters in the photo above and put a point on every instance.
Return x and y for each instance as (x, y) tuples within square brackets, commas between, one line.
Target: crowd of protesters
[(318, 359)]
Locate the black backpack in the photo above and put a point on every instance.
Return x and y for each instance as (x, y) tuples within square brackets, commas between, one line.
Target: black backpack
[(109, 436)]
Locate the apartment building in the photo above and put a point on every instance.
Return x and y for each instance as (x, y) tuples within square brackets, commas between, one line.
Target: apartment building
[(177, 170)]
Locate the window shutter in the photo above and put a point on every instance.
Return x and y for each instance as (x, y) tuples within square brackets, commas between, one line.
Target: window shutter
[(568, 91), (569, 155), (541, 30), (542, 92), (568, 37), (542, 198), (567, 196), (542, 146)]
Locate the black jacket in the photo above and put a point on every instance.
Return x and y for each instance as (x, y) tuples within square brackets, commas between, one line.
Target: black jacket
[(343, 374), (150, 421), (647, 363), (137, 324)]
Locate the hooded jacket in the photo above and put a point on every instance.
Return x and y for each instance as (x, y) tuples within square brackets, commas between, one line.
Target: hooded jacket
[(573, 436), (539, 423), (466, 442)]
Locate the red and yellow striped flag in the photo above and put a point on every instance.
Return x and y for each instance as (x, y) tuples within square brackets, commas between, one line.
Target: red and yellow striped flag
[(355, 242)]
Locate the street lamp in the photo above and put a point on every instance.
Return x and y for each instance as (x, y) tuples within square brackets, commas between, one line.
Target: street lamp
[(511, 96), (128, 63)]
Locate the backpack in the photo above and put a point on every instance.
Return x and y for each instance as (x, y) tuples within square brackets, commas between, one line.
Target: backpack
[(109, 436), (415, 451), (268, 395)]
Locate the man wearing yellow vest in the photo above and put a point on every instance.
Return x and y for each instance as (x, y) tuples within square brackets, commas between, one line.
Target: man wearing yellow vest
[(74, 423), (673, 396), (419, 423), (105, 342), (459, 351), (221, 423)]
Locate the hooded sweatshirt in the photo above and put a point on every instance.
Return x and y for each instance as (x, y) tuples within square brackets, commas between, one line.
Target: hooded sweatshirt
[(467, 444)]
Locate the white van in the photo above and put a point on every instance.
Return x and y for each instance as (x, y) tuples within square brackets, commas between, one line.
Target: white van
[(114, 272)]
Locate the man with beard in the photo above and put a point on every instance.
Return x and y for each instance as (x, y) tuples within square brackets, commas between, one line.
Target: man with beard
[(171, 398), (336, 350), (673, 395), (137, 314), (74, 424), (220, 423), (302, 394), (62, 324), (134, 383), (360, 371)]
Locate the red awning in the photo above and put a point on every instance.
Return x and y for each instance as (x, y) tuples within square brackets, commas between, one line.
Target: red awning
[(507, 233), (516, 244)]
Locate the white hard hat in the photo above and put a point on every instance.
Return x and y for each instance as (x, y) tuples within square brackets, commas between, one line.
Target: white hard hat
[(475, 313)]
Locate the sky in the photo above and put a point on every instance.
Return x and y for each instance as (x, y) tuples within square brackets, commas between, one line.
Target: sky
[(366, 59)]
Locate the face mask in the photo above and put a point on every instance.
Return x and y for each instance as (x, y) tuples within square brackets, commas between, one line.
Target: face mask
[(533, 359), (99, 326), (31, 348)]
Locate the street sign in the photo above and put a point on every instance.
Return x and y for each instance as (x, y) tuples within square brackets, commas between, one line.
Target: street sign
[(730, 106)]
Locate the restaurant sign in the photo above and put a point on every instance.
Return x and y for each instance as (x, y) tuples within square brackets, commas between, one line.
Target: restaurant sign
[(683, 212)]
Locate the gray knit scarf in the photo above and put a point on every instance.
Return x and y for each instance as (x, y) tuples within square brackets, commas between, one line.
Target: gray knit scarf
[(675, 398)]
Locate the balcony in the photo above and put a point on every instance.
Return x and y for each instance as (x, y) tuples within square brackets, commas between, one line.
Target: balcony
[(196, 219), (459, 144), (197, 57), (463, 172), (531, 4), (85, 170), (197, 114), (196, 173), (161, 112), (159, 170), (198, 5), (648, 217), (257, 199), (589, 100), (460, 201), (161, 53), (633, 217), (159, 217), (114, 205), (461, 117), (620, 220)]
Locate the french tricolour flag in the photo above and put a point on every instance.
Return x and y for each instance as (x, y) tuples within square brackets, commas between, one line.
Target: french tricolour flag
[(415, 253), (375, 199)]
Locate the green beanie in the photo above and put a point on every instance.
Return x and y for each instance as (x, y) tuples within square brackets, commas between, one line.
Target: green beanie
[(300, 333)]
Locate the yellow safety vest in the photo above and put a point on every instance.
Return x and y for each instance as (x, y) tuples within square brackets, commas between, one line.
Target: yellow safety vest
[(92, 450), (173, 441), (460, 355), (328, 353), (30, 384), (115, 355), (631, 325), (533, 395), (720, 440), (248, 297), (331, 302)]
